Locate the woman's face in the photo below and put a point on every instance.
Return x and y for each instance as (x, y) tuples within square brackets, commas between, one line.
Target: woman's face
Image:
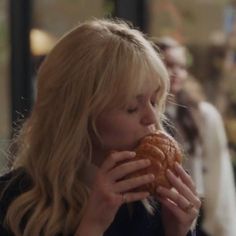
[(121, 129), (175, 61)]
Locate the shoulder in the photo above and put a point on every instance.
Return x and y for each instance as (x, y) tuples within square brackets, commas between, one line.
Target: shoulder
[(208, 108), (210, 113), (213, 128), (12, 184)]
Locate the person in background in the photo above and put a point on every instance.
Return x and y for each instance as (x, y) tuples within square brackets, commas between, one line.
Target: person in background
[(198, 126), (101, 88)]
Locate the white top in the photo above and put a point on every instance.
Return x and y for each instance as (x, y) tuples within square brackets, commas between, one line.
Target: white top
[(211, 169), (220, 194), (195, 167), (192, 164)]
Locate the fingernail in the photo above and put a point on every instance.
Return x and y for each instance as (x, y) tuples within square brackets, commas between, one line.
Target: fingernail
[(151, 176), (132, 154)]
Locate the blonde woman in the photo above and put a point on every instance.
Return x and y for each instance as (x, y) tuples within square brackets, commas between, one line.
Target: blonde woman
[(102, 88)]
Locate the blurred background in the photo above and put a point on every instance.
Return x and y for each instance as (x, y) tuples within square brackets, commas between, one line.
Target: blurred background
[(30, 28)]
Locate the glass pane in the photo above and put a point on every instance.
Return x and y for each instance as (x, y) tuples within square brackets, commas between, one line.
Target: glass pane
[(64, 14), (4, 84)]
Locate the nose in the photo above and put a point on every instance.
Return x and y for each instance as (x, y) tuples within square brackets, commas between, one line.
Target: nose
[(149, 116)]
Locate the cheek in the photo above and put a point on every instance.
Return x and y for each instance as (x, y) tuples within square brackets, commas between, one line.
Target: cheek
[(117, 133), (183, 75), (179, 77), (176, 85), (107, 129)]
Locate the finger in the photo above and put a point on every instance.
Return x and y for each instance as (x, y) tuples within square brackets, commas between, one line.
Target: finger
[(171, 206), (132, 183), (177, 211), (132, 197), (122, 170), (175, 197), (185, 177), (115, 157), (183, 189)]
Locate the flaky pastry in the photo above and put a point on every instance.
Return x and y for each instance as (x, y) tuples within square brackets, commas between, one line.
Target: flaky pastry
[(163, 151)]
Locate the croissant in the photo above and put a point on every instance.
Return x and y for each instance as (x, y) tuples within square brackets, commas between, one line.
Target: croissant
[(163, 151)]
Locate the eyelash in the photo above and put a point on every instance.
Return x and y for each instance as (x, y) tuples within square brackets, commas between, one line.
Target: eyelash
[(154, 104), (132, 110), (135, 109)]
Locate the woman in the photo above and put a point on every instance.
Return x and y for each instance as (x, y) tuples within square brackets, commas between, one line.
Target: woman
[(100, 90), (200, 130)]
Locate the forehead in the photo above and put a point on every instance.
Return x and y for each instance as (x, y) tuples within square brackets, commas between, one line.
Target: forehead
[(141, 75), (149, 86), (176, 54), (149, 90), (137, 89)]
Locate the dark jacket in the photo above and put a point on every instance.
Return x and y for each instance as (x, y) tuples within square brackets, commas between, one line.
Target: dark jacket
[(137, 223)]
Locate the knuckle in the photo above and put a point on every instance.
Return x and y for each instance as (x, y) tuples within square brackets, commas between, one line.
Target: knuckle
[(198, 202)]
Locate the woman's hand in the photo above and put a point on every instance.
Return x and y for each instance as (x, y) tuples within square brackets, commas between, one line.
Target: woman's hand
[(111, 190), (180, 205)]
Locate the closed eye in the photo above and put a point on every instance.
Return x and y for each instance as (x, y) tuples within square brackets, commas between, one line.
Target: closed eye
[(132, 110), (154, 103)]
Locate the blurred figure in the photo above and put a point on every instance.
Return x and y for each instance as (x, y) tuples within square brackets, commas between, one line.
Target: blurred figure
[(198, 126)]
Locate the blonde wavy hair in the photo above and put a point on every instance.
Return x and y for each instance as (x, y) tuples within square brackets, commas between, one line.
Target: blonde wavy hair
[(99, 64)]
